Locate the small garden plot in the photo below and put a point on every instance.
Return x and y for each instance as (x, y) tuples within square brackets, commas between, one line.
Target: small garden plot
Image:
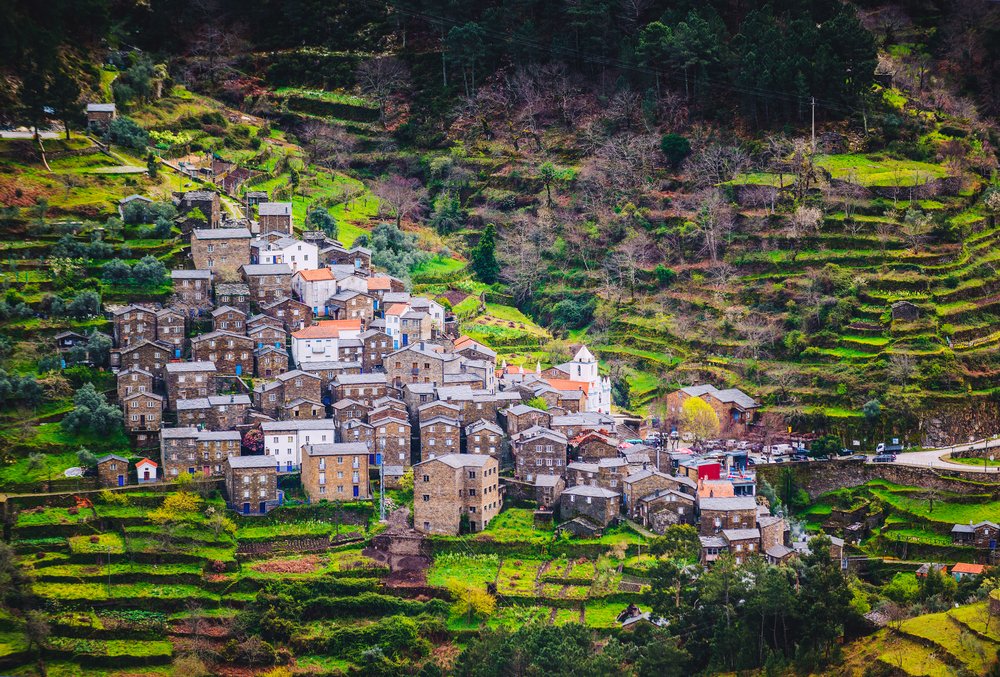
[(351, 560), (115, 648), (603, 614), (96, 544), (155, 546), (515, 616), (914, 659), (515, 524), (117, 569), (564, 616), (305, 564), (558, 569), (99, 592), (271, 532), (472, 569), (977, 617), (867, 170), (43, 517), (517, 576)]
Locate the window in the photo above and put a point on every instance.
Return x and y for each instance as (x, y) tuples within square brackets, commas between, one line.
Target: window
[(427, 478), (427, 498)]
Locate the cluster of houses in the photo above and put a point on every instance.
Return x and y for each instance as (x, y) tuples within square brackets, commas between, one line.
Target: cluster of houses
[(286, 353)]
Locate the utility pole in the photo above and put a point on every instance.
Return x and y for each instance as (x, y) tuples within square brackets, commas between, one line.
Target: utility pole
[(381, 480), (814, 125)]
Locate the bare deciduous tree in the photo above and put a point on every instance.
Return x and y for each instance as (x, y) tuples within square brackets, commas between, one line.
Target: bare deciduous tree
[(900, 368), (714, 222), (328, 145), (716, 163), (522, 244), (758, 333), (399, 196), (803, 222), (382, 78)]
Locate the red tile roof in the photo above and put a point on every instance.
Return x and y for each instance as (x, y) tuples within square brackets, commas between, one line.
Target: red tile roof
[(327, 329)]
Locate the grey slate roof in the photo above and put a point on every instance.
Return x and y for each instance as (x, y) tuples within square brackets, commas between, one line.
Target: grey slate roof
[(594, 492), (253, 462), (186, 367), (221, 233), (729, 503)]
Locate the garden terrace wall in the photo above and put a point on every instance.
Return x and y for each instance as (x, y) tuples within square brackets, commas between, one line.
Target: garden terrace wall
[(817, 477)]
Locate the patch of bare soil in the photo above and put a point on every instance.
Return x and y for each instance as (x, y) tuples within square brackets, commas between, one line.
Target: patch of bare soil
[(302, 565)]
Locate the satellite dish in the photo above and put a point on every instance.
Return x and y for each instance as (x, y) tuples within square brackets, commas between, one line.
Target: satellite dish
[(73, 472)]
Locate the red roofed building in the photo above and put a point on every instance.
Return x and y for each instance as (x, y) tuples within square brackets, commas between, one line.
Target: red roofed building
[(965, 570), (145, 470)]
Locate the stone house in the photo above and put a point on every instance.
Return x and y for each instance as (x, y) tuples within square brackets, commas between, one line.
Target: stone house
[(268, 335), (362, 387), (521, 417), (170, 330), (982, 535), (645, 482), (215, 412), (252, 484), (227, 318), (189, 380), (112, 471), (335, 472), (573, 425), (450, 487), (143, 411), (905, 311), (296, 254), (742, 543), (314, 288), (474, 350), (293, 314), (268, 283), (418, 363), (206, 201), (392, 439), (774, 532), (350, 349), (134, 380), (213, 447), (358, 432), (346, 410), (133, 325), (439, 408), (351, 304), (178, 451), (67, 340), (733, 407), (233, 294), (663, 508), (329, 371), (538, 451), (738, 512), (607, 472), (597, 504), (271, 396), (146, 355), (375, 346), (192, 287), (221, 250), (387, 407), (591, 447), (270, 361), (484, 437), (275, 216), (231, 353), (100, 115), (439, 436), (302, 408), (548, 489)]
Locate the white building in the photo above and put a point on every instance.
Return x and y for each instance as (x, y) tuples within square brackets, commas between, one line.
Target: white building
[(298, 255), (284, 439), (584, 368), (321, 341)]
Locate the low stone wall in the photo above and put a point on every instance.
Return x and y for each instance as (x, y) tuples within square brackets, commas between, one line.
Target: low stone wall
[(818, 477)]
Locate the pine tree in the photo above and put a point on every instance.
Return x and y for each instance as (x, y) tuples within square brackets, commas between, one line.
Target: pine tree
[(484, 261)]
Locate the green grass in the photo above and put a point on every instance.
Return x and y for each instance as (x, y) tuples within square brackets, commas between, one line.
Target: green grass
[(914, 659), (515, 524), (38, 517), (109, 542), (603, 614), (976, 462), (953, 513), (959, 642), (324, 95), (875, 171), (472, 569), (517, 576), (437, 266), (99, 591), (52, 466)]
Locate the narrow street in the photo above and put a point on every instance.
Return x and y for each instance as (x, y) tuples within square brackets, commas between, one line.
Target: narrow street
[(934, 458)]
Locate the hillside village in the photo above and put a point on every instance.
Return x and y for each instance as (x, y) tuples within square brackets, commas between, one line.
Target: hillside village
[(519, 337)]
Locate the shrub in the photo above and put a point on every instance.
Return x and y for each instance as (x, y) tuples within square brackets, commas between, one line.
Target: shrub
[(125, 132)]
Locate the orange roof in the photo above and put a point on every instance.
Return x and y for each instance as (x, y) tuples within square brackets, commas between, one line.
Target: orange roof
[(316, 275), (396, 309), (566, 384), (964, 568), (146, 461), (716, 489), (327, 329), (379, 283), (462, 340)]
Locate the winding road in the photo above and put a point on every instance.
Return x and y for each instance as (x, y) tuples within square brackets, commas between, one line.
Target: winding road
[(933, 458)]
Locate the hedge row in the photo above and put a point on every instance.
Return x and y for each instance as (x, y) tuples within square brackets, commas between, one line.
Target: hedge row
[(369, 604)]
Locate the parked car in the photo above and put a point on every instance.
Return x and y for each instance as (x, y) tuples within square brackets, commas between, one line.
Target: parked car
[(844, 452), (800, 457), (884, 458)]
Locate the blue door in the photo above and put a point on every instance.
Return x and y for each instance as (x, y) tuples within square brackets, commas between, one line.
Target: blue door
[(289, 466), (239, 369), (177, 352), (263, 507), (246, 508), (406, 339), (121, 480), (277, 344), (355, 492)]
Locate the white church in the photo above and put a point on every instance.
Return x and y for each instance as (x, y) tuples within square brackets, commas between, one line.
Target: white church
[(583, 369)]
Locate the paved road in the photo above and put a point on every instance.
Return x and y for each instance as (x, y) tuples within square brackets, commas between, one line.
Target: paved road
[(11, 134), (932, 458)]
